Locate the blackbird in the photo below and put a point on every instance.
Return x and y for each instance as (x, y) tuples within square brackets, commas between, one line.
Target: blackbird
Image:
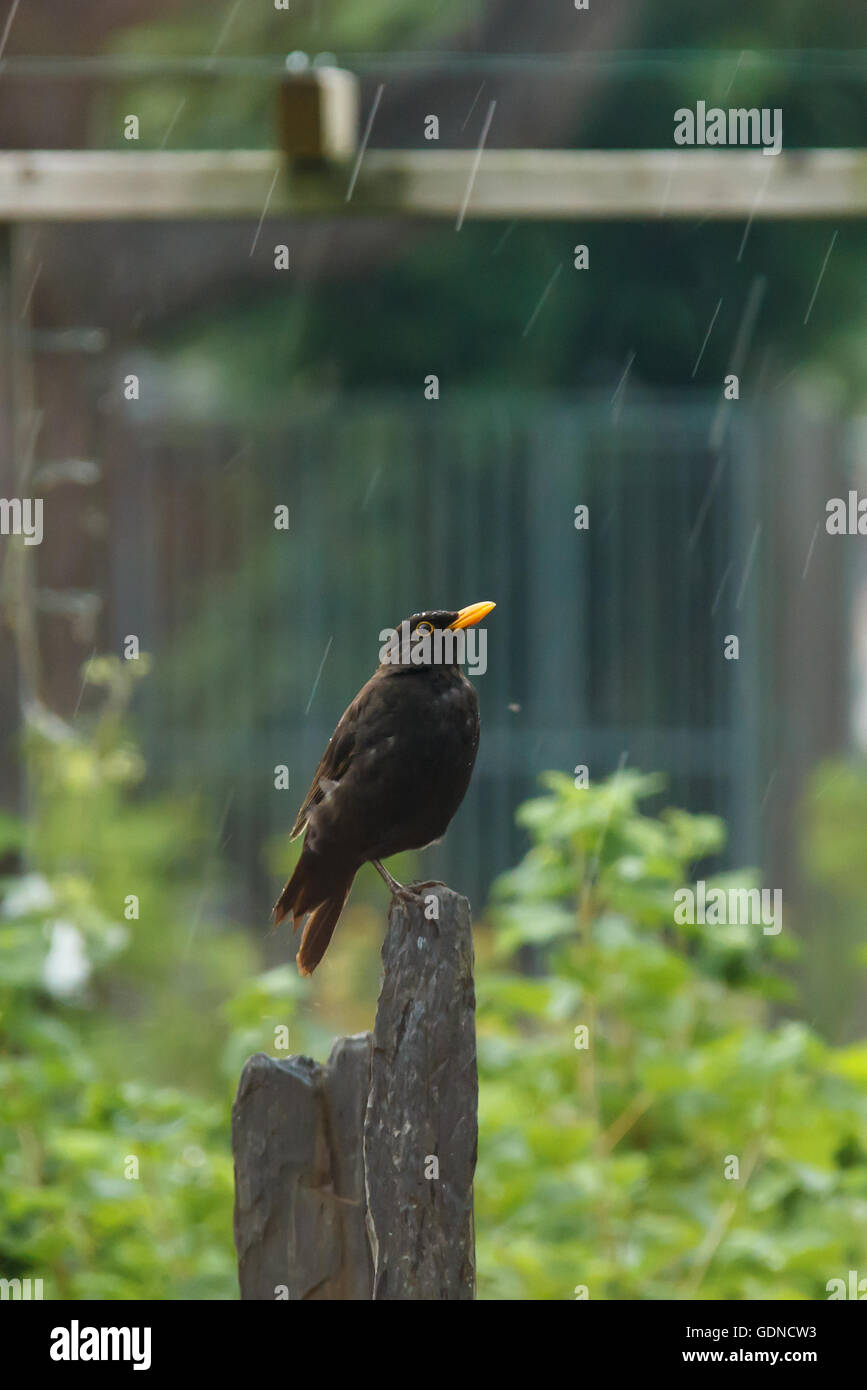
[(395, 771)]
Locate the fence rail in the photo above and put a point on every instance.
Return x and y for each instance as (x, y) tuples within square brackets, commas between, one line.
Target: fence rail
[(92, 185)]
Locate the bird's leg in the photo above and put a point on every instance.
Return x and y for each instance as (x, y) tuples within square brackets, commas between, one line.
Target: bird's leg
[(398, 890), (406, 894), (394, 886)]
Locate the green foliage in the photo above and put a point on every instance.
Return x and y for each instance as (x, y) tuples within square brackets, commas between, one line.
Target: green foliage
[(74, 1213), (95, 1011), (605, 1166), (97, 840)]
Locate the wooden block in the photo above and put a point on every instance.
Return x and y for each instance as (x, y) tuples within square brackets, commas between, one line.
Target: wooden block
[(317, 114)]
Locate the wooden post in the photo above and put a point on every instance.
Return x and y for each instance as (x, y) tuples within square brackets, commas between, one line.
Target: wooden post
[(354, 1180), (422, 1109), (317, 115)]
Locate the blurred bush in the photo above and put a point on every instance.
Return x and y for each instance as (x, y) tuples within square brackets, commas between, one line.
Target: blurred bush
[(113, 1183), (605, 1166)]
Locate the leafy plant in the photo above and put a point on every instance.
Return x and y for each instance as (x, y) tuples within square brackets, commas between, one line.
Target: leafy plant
[(113, 1183), (604, 1166)]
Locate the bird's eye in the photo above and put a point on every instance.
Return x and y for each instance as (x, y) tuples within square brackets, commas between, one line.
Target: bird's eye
[(424, 627)]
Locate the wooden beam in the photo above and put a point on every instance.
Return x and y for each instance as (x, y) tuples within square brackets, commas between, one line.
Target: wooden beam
[(95, 185)]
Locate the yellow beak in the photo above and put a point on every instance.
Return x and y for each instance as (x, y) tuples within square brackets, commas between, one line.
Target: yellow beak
[(468, 617)]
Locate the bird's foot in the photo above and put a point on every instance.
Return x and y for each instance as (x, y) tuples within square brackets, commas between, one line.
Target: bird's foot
[(405, 895), (420, 888)]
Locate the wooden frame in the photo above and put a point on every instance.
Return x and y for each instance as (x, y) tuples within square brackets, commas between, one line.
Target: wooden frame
[(84, 185)]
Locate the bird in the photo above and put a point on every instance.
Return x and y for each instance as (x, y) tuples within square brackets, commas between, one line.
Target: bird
[(394, 773)]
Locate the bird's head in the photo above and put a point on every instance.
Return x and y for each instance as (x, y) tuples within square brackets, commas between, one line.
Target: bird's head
[(440, 621), (433, 638)]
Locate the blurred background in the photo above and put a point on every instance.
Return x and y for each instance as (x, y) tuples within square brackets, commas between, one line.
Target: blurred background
[(143, 837)]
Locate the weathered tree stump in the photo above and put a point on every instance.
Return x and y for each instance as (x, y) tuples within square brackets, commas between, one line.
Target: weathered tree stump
[(354, 1180)]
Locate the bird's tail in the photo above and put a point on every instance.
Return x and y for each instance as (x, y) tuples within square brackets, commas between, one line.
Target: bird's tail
[(320, 889)]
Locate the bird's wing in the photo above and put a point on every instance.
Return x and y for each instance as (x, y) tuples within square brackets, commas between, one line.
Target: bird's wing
[(335, 761)]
